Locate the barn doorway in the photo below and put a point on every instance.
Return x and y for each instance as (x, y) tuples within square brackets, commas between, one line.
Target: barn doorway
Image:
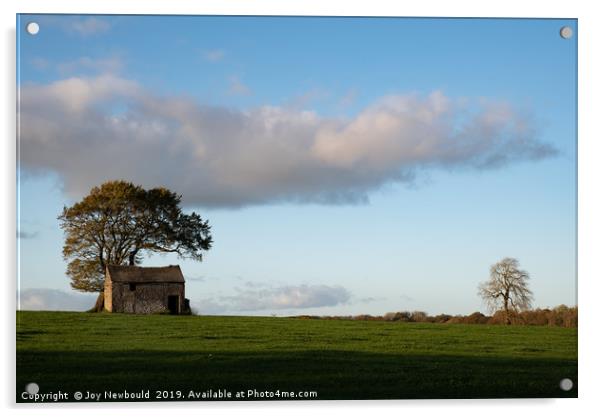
[(173, 304)]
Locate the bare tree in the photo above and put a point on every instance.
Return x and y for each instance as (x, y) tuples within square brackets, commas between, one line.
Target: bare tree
[(507, 288)]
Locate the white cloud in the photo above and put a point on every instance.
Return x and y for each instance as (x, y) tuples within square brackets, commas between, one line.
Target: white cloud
[(214, 55), (26, 235), (348, 99), (40, 63), (88, 26), (73, 97), (89, 130), (55, 300), (87, 64), (237, 88), (307, 99), (260, 297)]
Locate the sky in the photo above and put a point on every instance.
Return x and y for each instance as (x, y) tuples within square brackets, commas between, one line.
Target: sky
[(346, 165)]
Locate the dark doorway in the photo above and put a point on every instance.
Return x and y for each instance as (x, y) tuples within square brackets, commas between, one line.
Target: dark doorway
[(173, 304)]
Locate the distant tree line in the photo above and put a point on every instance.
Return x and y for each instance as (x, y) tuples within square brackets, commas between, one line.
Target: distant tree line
[(561, 316)]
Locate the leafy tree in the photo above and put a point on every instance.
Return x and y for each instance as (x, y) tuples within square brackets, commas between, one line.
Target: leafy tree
[(507, 288), (117, 222)]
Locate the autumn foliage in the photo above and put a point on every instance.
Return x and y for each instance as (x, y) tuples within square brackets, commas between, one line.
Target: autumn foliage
[(118, 222)]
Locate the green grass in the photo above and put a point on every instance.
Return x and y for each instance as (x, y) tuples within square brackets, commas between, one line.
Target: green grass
[(337, 359)]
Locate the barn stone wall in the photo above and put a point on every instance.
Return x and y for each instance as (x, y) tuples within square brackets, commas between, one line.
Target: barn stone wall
[(146, 298), (108, 293)]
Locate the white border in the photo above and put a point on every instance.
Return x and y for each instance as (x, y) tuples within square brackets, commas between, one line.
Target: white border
[(589, 192)]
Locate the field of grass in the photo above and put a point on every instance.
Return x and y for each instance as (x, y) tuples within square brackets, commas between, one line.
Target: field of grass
[(338, 359)]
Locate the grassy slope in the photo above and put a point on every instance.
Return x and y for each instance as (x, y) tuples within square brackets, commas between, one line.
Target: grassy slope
[(338, 359)]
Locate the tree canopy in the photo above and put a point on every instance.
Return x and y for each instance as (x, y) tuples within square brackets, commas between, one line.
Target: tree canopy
[(507, 288), (118, 222)]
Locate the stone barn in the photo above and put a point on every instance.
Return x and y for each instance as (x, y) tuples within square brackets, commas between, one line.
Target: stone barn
[(145, 290)]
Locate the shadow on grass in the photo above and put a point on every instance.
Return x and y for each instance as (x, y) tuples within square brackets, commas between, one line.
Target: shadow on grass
[(333, 374), (24, 335)]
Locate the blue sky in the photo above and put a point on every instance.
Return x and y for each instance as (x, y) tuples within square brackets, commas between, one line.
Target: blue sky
[(346, 166)]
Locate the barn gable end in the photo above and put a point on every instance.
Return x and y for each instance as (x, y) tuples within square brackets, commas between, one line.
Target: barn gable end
[(108, 292)]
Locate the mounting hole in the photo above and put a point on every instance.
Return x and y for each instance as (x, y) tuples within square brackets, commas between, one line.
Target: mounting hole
[(566, 384), (566, 32), (32, 388), (33, 28)]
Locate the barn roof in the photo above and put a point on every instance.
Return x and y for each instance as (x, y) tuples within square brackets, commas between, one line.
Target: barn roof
[(122, 273)]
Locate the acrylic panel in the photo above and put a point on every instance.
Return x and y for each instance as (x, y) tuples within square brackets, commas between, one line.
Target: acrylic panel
[(229, 208)]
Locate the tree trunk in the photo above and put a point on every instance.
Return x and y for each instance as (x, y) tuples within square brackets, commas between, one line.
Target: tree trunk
[(99, 307), (506, 310), (133, 257)]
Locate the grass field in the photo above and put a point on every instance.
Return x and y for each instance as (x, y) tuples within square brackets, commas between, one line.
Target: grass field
[(335, 358)]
